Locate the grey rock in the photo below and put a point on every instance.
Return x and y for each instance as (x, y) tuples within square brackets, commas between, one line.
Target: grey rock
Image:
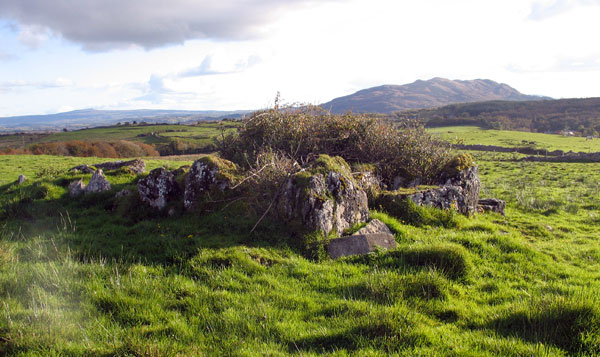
[(158, 188), (137, 166), (123, 193), (359, 244), (334, 203), (368, 181), (491, 205), (201, 178), (76, 188), (374, 226), (460, 192), (21, 180), (82, 168), (398, 182), (98, 183)]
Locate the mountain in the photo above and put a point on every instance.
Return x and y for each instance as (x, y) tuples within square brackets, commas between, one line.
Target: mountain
[(433, 93), (90, 118)]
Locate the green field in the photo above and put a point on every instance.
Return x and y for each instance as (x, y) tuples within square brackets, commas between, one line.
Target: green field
[(192, 136), (472, 135), (81, 277)]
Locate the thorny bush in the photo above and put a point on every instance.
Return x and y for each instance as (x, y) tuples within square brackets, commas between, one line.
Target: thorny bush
[(404, 150)]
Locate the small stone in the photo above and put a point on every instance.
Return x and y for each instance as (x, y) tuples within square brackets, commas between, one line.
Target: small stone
[(123, 193), (98, 183), (82, 168), (21, 180), (491, 205), (359, 244), (76, 188), (375, 226)]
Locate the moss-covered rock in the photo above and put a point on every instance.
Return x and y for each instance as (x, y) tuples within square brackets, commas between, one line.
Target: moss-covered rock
[(324, 197), (207, 175), (460, 162), (158, 188)]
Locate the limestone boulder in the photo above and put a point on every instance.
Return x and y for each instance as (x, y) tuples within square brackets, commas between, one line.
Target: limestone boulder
[(76, 188), (208, 174), (324, 197), (158, 188), (98, 183), (491, 205), (86, 169), (360, 244), (460, 192), (123, 193), (136, 166)]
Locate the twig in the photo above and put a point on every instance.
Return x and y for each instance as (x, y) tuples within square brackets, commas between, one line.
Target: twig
[(254, 174), (264, 214)]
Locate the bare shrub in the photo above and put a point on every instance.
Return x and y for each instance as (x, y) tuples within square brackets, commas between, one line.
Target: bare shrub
[(300, 133)]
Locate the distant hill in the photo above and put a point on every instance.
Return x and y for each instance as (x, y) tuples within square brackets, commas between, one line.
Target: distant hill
[(92, 118), (546, 116), (435, 92)]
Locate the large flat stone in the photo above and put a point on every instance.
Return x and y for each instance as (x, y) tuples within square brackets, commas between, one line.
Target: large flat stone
[(359, 244)]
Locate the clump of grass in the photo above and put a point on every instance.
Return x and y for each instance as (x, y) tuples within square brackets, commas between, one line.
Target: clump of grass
[(207, 260), (572, 324), (450, 260), (408, 212), (425, 285)]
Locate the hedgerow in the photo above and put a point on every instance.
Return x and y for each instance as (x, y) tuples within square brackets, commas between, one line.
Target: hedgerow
[(122, 148)]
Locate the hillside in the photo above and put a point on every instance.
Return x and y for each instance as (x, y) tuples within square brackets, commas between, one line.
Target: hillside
[(78, 119), (424, 94), (103, 273), (579, 115)]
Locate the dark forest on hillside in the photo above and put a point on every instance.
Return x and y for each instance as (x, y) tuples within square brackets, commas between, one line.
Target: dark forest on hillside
[(579, 115)]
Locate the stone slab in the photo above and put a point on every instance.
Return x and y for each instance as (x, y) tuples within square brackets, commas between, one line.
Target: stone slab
[(359, 244)]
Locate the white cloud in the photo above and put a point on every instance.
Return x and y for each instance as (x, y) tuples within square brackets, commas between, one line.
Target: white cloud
[(108, 24), (22, 84), (33, 36), (541, 10)]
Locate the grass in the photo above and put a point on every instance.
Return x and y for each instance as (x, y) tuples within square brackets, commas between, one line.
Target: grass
[(199, 135), (473, 135), (76, 278)]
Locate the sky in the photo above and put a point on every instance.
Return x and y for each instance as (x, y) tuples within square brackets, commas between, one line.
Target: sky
[(63, 55)]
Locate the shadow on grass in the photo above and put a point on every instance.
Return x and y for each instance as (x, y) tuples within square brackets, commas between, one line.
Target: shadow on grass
[(379, 334), (573, 328), (101, 226), (449, 259)]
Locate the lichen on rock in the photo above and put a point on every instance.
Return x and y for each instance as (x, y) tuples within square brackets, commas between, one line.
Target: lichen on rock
[(324, 197), (98, 183), (158, 188), (206, 175)]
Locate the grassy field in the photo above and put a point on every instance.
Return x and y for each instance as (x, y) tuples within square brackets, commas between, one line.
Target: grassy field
[(89, 277), (199, 135), (472, 135)]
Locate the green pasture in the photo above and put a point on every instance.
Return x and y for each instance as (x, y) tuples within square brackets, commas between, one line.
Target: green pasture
[(198, 135), (90, 276), (472, 135)]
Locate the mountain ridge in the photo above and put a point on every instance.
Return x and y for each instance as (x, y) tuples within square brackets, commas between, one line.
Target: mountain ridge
[(422, 94), (81, 118)]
